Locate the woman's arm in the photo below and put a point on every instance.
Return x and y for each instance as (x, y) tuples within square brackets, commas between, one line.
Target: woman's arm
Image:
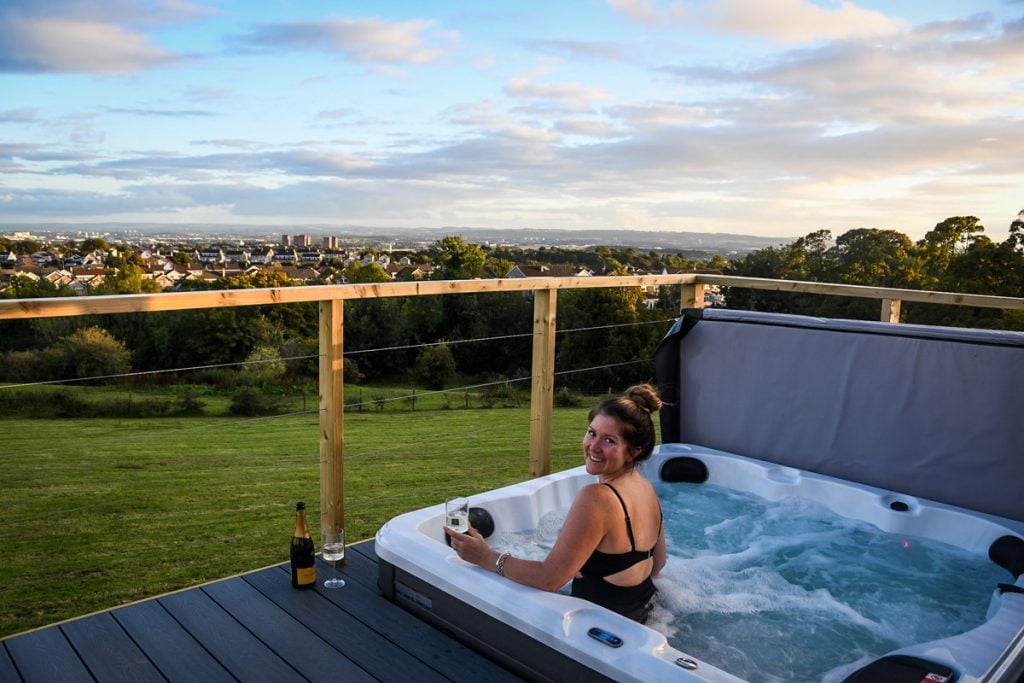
[(583, 530), (659, 553)]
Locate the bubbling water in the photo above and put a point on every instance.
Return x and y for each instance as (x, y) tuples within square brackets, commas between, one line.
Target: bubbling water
[(789, 591)]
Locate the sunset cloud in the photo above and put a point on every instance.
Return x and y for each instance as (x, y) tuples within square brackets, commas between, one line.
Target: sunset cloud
[(369, 41)]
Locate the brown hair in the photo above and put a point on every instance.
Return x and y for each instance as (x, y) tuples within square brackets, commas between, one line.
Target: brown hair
[(633, 410)]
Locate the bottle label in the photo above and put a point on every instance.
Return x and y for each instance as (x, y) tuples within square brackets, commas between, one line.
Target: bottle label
[(305, 575)]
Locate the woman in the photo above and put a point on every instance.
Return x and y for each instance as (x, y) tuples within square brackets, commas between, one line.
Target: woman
[(613, 540)]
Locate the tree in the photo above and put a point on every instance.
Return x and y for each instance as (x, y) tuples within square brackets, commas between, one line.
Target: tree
[(435, 366), (91, 244), (127, 279), (868, 256), (599, 337), (25, 287), (357, 272), (1016, 238), (778, 263), (88, 352), (456, 259), (263, 364), (261, 279), (499, 267), (945, 241)]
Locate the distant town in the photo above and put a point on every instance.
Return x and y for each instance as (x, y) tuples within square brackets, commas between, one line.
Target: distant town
[(135, 234), (80, 259)]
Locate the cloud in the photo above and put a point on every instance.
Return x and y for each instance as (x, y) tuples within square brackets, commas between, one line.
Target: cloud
[(170, 113), (368, 41), (557, 97), (797, 21), (210, 94), (19, 115), (250, 164), (943, 76), (647, 11), (588, 128), (79, 37), (40, 153), (33, 46), (577, 49), (233, 143)]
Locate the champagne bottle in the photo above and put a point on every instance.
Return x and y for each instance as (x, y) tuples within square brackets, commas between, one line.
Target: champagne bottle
[(303, 554)]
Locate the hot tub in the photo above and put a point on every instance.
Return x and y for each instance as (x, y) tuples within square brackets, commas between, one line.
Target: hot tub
[(544, 636)]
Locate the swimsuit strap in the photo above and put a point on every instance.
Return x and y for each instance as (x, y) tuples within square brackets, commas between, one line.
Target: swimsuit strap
[(629, 525)]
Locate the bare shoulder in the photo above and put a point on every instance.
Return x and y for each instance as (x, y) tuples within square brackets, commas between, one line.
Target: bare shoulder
[(594, 496)]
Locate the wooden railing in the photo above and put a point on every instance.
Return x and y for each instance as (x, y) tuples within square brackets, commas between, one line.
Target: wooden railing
[(331, 300)]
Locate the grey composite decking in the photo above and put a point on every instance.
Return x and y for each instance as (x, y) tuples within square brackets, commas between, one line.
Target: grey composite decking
[(253, 627)]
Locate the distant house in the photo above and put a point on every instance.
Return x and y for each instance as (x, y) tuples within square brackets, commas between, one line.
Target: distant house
[(309, 257), (211, 256), (44, 258), (94, 258), (7, 276), (163, 279), (286, 256), (237, 256), (87, 279), (553, 270), (59, 276), (262, 256), (299, 273), (407, 271)]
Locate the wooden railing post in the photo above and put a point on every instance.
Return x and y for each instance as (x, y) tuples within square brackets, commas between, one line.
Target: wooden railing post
[(891, 310), (691, 295), (332, 404), (542, 386)]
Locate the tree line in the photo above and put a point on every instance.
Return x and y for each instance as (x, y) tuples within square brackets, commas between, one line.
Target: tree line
[(607, 336), (954, 256)]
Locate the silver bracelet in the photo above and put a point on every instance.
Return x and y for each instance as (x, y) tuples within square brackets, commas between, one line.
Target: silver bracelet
[(499, 566)]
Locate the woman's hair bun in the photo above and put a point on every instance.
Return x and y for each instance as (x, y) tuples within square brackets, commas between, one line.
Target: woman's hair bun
[(644, 396)]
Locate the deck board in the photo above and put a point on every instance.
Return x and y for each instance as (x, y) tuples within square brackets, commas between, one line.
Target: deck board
[(252, 627), (169, 646), (108, 652), (46, 655), (363, 646)]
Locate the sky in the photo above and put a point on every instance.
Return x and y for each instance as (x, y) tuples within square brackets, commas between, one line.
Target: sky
[(757, 117)]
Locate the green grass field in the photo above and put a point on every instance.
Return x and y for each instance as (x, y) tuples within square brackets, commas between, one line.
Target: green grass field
[(95, 513)]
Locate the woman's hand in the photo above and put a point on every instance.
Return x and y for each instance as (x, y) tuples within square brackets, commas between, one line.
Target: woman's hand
[(472, 547)]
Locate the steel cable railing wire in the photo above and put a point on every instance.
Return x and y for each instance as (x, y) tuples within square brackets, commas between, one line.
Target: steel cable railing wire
[(402, 347), (405, 449), (373, 402), (149, 436), (142, 373)]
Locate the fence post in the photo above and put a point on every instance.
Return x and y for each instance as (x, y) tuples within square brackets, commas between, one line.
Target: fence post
[(332, 419), (691, 295), (891, 310), (542, 385)]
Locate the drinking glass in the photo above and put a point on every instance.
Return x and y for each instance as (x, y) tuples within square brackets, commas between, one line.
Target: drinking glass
[(456, 514), (334, 551)]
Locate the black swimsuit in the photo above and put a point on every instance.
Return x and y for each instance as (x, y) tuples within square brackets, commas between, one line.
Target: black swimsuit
[(631, 601)]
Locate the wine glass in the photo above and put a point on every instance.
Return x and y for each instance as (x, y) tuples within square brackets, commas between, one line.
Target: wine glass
[(334, 551)]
